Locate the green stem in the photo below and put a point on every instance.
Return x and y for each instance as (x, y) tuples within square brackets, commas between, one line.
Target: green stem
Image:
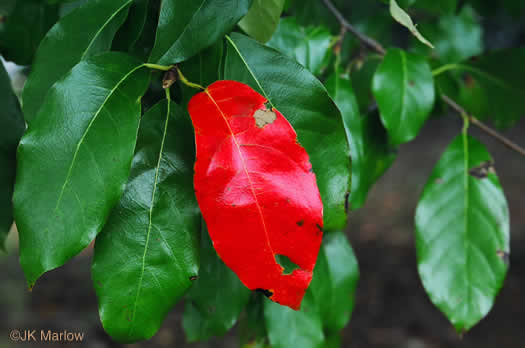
[(158, 67), (184, 80), (444, 68), (168, 97)]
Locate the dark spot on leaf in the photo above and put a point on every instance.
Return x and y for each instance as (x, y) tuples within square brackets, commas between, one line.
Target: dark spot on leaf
[(438, 181), (411, 83), (265, 292), (192, 278), (211, 309), (300, 223), (504, 256), (483, 170)]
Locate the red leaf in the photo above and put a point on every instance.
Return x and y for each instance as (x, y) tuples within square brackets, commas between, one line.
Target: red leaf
[(256, 190)]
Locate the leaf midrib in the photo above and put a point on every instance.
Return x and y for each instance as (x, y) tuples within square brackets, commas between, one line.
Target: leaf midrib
[(150, 219), (184, 30), (80, 142), (252, 189), (106, 23)]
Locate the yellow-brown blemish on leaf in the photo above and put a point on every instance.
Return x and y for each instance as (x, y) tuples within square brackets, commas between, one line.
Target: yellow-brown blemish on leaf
[(264, 117)]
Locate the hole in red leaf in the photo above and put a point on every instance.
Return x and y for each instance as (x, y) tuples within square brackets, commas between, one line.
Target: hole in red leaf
[(286, 263)]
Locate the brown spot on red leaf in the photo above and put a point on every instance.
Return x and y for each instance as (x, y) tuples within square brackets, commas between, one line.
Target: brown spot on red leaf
[(264, 117)]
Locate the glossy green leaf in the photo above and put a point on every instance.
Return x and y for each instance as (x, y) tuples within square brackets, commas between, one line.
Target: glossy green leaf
[(288, 328), (455, 37), (12, 127), (309, 46), (335, 281), (494, 86), (23, 29), (404, 19), (216, 298), (404, 90), (74, 160), (262, 19), (186, 27), (86, 31), (370, 152), (128, 34), (462, 233), (305, 103), (147, 254)]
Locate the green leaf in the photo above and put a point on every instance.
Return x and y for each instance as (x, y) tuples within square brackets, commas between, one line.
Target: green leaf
[(186, 27), (335, 281), (327, 304), (86, 31), (494, 86), (12, 127), (315, 13), (23, 29), (252, 331), (404, 90), (370, 152), (305, 103), (439, 7), (309, 46), (128, 34), (288, 328), (147, 254), (74, 160), (204, 69), (262, 19), (216, 298), (462, 233), (144, 44), (404, 19), (455, 37), (362, 74)]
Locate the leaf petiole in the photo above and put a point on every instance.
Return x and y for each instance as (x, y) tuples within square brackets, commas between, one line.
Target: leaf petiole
[(158, 67), (184, 80)]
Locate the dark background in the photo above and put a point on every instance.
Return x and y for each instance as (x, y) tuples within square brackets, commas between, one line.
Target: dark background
[(392, 309)]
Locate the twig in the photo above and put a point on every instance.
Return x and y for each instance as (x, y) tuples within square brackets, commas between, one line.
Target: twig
[(363, 38), (473, 120), (379, 49)]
